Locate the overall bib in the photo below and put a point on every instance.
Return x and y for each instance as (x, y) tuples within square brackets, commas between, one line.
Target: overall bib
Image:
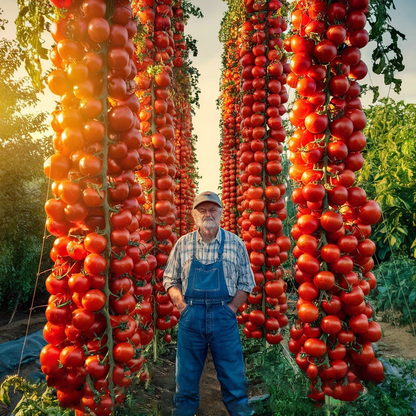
[(208, 320)]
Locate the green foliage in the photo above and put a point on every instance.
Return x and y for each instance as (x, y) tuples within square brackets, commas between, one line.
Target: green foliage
[(34, 18), (396, 290), (37, 400), (22, 182), (190, 9), (387, 58), (388, 176)]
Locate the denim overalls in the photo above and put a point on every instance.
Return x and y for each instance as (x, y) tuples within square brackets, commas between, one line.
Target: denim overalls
[(208, 320)]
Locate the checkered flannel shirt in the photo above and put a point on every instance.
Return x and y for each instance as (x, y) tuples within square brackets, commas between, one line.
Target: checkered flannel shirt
[(237, 271)]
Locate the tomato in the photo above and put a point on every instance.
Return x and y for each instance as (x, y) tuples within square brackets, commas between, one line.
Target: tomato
[(373, 371), (331, 324), (274, 288), (123, 305), (97, 366), (79, 283), (93, 300), (123, 352), (54, 334), (257, 317), (308, 264), (72, 356), (315, 347), (308, 291), (95, 264), (345, 337), (365, 356), (373, 333), (57, 314), (333, 305), (308, 312), (338, 352), (353, 297), (359, 323), (82, 319)]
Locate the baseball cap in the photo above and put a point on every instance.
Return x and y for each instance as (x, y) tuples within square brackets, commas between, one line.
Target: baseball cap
[(207, 196)]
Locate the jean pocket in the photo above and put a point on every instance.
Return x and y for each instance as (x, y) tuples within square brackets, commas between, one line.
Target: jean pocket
[(230, 311), (184, 312)]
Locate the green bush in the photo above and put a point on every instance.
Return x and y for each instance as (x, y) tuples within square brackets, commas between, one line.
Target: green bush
[(23, 184), (388, 176), (395, 293)]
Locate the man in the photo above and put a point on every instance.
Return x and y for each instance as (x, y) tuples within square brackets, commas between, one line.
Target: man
[(208, 276)]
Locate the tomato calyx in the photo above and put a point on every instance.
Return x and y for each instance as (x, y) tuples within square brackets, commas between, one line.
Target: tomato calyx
[(118, 256)]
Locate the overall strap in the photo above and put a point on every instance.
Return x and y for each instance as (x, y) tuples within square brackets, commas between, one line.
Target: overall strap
[(221, 249), (194, 245)]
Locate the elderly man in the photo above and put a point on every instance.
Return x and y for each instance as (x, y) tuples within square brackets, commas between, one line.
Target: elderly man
[(208, 276)]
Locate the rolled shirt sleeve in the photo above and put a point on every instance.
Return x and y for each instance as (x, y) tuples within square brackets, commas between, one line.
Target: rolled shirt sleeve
[(172, 273), (245, 280)]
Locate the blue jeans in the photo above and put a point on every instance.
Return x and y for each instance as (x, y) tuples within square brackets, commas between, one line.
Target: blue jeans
[(215, 325)]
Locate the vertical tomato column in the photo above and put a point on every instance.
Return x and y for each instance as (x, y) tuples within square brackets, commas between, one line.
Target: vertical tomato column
[(186, 169), (93, 342), (332, 339), (185, 157), (158, 167), (229, 120), (143, 272), (261, 195)]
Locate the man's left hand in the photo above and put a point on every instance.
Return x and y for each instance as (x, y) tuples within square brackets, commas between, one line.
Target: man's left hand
[(232, 307)]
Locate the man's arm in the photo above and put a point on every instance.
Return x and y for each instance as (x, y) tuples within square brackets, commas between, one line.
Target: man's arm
[(175, 294), (239, 298)]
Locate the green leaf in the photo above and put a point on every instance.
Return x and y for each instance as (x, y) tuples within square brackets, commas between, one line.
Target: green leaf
[(412, 296), (4, 393)]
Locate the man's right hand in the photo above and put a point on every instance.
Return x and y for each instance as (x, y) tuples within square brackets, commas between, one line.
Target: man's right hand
[(175, 294)]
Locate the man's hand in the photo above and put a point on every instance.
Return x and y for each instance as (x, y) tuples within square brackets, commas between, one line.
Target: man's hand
[(175, 294), (239, 298)]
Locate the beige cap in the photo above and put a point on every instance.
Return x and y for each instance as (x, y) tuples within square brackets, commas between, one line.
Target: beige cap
[(207, 196)]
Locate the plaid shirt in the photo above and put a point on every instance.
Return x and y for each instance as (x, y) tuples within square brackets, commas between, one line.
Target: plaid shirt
[(237, 271)]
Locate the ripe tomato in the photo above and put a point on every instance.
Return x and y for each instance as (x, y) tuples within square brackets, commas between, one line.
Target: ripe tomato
[(315, 347), (257, 317), (331, 324), (123, 352), (308, 312), (72, 356), (82, 319), (93, 300)]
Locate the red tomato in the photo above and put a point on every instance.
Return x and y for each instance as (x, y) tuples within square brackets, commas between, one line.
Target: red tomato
[(257, 317), (123, 352), (93, 300), (314, 347)]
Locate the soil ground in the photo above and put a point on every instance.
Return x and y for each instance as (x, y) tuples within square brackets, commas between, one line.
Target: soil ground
[(157, 398)]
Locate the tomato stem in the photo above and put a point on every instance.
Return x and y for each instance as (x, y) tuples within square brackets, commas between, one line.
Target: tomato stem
[(107, 212)]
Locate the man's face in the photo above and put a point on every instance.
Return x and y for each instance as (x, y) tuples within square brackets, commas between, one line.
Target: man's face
[(207, 215)]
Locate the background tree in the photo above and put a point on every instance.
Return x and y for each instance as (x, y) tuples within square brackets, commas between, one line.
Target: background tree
[(22, 182)]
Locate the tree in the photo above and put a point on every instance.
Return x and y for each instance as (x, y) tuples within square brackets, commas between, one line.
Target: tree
[(22, 182), (389, 176)]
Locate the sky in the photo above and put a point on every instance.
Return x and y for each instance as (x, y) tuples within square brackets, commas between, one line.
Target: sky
[(208, 63)]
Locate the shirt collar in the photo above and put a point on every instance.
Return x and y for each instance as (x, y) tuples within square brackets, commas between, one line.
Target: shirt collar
[(217, 237)]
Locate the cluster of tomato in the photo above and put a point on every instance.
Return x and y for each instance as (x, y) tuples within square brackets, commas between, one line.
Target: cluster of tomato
[(185, 153), (94, 342), (231, 120), (157, 169), (260, 196), (332, 339)]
